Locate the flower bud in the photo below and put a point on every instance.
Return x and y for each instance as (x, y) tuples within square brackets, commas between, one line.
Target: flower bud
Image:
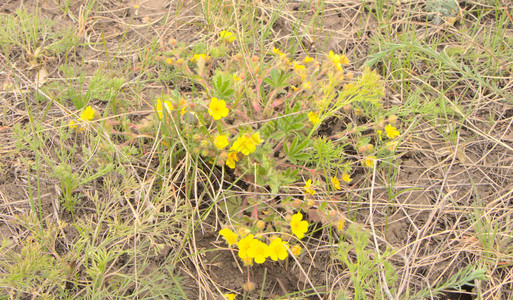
[(196, 137), (366, 148), (248, 286), (243, 231), (260, 224), (237, 57)]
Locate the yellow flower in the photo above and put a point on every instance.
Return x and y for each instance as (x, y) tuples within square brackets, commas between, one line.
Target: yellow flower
[(236, 78), (307, 60), (346, 178), (369, 161), (243, 144), (308, 183), (255, 138), (338, 60), (217, 109), (391, 131), (72, 124), (87, 114), (379, 133), (232, 159), (307, 85), (246, 144), (298, 67), (227, 36), (221, 141), (159, 107), (276, 51), (296, 250), (298, 227), (244, 245), (184, 110), (229, 236), (340, 225), (335, 182), (277, 250), (229, 296), (258, 250), (169, 61), (314, 118), (200, 57)]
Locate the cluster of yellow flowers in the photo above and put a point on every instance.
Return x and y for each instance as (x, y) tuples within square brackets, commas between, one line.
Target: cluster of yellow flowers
[(245, 143), (283, 57), (308, 184), (338, 60), (336, 183), (390, 130), (166, 106), (86, 115), (198, 58), (314, 118), (160, 106), (226, 36), (335, 60), (252, 249), (391, 133)]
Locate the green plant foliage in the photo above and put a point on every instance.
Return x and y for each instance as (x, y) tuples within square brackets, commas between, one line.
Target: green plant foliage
[(366, 266)]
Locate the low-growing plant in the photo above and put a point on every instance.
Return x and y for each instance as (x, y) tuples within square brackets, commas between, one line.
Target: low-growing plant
[(262, 119), (34, 37), (365, 266)]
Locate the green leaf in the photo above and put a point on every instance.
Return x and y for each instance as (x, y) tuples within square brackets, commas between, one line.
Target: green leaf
[(296, 151), (222, 84)]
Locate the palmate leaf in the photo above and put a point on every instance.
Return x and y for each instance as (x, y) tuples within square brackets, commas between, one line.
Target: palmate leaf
[(278, 79), (222, 84), (276, 179), (296, 151)]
